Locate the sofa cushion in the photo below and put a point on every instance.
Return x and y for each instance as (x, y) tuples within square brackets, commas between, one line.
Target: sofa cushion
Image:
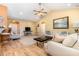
[(70, 40), (15, 36), (58, 38), (76, 46)]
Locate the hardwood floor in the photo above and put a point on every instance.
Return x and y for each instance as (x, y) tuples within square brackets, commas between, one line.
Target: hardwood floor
[(17, 48)]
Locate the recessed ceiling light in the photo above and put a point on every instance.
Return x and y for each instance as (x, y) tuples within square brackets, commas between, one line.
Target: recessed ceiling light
[(21, 13), (68, 4)]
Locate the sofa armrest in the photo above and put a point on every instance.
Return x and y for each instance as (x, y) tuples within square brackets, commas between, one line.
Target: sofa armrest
[(54, 48)]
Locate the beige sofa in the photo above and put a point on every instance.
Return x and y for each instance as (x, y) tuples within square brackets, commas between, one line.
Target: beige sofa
[(69, 46)]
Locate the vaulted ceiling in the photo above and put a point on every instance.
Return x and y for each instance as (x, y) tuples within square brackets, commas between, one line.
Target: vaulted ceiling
[(25, 10)]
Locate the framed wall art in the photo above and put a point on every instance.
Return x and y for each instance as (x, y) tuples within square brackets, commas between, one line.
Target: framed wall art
[(61, 23)]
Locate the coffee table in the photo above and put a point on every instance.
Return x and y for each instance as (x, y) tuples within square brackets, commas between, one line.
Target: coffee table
[(41, 41)]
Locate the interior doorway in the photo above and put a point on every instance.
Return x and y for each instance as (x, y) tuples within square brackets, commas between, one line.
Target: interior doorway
[(15, 27), (41, 29)]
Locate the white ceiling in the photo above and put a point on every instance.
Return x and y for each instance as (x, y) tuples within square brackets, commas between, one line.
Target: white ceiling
[(25, 10)]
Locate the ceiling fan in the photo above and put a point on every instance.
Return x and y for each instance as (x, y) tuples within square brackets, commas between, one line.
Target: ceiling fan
[(41, 12)]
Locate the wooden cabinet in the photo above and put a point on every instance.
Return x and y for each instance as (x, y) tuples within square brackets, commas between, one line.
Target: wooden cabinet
[(4, 37)]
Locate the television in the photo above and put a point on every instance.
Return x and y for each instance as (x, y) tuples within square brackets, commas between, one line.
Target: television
[(27, 29)]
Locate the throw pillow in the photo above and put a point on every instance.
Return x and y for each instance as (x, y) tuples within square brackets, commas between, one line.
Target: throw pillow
[(1, 29), (70, 40), (58, 38)]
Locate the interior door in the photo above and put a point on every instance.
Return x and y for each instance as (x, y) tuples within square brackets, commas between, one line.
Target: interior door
[(41, 29)]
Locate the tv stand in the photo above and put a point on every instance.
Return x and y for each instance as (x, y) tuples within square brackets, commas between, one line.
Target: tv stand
[(27, 33)]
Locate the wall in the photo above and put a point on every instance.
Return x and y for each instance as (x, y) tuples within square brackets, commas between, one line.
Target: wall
[(3, 12), (24, 24), (48, 20)]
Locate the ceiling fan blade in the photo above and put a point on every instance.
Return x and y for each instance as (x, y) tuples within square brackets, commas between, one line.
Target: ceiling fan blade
[(34, 10), (42, 9), (45, 12), (35, 13)]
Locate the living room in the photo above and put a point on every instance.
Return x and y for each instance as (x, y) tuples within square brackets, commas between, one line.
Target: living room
[(38, 29)]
